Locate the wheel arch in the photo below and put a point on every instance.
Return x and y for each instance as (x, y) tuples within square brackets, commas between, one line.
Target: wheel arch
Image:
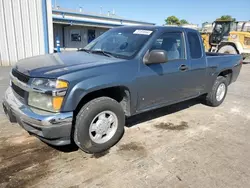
[(119, 93), (236, 45), (228, 74)]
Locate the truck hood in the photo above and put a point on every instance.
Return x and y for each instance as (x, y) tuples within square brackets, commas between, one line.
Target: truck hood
[(57, 64)]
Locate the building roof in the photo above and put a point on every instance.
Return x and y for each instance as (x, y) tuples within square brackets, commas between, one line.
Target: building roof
[(81, 11), (160, 28), (84, 17)]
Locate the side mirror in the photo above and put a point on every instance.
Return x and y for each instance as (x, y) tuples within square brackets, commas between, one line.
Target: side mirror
[(155, 57)]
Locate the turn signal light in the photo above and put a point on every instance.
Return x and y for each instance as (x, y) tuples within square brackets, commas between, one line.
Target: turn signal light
[(57, 103), (60, 84)]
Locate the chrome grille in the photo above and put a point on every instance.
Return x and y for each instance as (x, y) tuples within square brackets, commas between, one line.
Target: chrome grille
[(16, 79), (18, 90), (22, 77)]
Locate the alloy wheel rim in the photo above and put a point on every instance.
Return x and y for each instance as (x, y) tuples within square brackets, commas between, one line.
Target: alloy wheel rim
[(221, 90), (103, 127)]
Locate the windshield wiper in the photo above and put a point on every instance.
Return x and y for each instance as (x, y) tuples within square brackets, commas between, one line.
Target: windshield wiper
[(84, 50), (108, 54)]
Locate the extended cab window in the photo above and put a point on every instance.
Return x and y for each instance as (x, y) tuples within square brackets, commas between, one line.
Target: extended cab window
[(172, 43), (194, 45)]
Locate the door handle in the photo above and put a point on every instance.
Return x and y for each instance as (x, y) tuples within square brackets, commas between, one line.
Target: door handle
[(183, 67)]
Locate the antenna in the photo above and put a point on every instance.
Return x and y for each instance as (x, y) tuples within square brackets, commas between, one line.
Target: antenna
[(100, 9)]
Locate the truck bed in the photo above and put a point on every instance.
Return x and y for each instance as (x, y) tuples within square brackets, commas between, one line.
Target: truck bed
[(231, 62), (229, 59), (208, 54)]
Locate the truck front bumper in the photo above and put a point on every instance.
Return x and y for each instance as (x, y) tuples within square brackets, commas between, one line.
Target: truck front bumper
[(52, 128)]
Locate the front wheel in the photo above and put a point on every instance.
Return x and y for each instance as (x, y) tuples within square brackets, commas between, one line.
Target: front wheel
[(218, 93), (99, 125)]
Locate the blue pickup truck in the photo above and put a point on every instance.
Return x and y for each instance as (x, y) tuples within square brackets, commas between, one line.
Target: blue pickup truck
[(83, 97)]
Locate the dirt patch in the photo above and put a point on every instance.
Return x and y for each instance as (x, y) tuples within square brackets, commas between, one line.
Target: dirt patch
[(170, 126), (22, 139), (134, 148), (23, 161)]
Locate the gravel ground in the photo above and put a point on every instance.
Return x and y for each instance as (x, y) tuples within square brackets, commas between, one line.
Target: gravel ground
[(184, 145)]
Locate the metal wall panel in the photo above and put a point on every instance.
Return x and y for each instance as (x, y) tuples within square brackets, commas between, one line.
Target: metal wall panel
[(26, 28), (50, 36), (22, 30), (4, 52), (40, 26), (18, 25), (34, 27), (10, 34)]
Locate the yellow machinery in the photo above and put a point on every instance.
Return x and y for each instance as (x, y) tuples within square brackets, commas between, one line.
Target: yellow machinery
[(228, 36), (206, 31)]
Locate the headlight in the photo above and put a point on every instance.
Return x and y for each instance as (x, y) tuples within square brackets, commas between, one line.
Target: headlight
[(41, 101), (49, 83), (46, 101)]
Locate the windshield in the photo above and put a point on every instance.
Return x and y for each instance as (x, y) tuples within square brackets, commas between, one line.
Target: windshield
[(222, 28), (120, 42)]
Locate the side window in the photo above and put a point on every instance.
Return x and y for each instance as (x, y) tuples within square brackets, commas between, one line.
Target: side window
[(194, 45), (172, 43)]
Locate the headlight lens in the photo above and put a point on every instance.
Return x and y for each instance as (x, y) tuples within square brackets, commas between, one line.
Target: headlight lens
[(45, 101), (41, 101), (49, 83), (44, 83)]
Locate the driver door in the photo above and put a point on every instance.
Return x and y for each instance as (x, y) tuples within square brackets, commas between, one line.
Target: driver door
[(165, 82)]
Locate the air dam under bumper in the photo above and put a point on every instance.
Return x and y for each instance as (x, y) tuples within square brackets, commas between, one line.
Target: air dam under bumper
[(52, 128)]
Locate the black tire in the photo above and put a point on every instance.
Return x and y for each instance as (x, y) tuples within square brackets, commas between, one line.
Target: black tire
[(86, 115), (210, 98)]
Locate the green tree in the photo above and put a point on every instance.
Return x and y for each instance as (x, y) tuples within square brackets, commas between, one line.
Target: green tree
[(226, 17), (172, 20), (183, 21)]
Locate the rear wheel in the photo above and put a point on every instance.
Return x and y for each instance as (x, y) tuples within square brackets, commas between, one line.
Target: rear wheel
[(228, 49), (218, 93), (99, 125)]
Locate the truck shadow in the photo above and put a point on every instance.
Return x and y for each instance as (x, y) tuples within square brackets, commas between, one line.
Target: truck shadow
[(153, 114), (65, 149)]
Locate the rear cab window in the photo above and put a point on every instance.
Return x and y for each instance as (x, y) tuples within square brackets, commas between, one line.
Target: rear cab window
[(194, 45)]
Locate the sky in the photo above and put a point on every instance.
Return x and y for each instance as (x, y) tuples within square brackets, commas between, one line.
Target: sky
[(156, 11)]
